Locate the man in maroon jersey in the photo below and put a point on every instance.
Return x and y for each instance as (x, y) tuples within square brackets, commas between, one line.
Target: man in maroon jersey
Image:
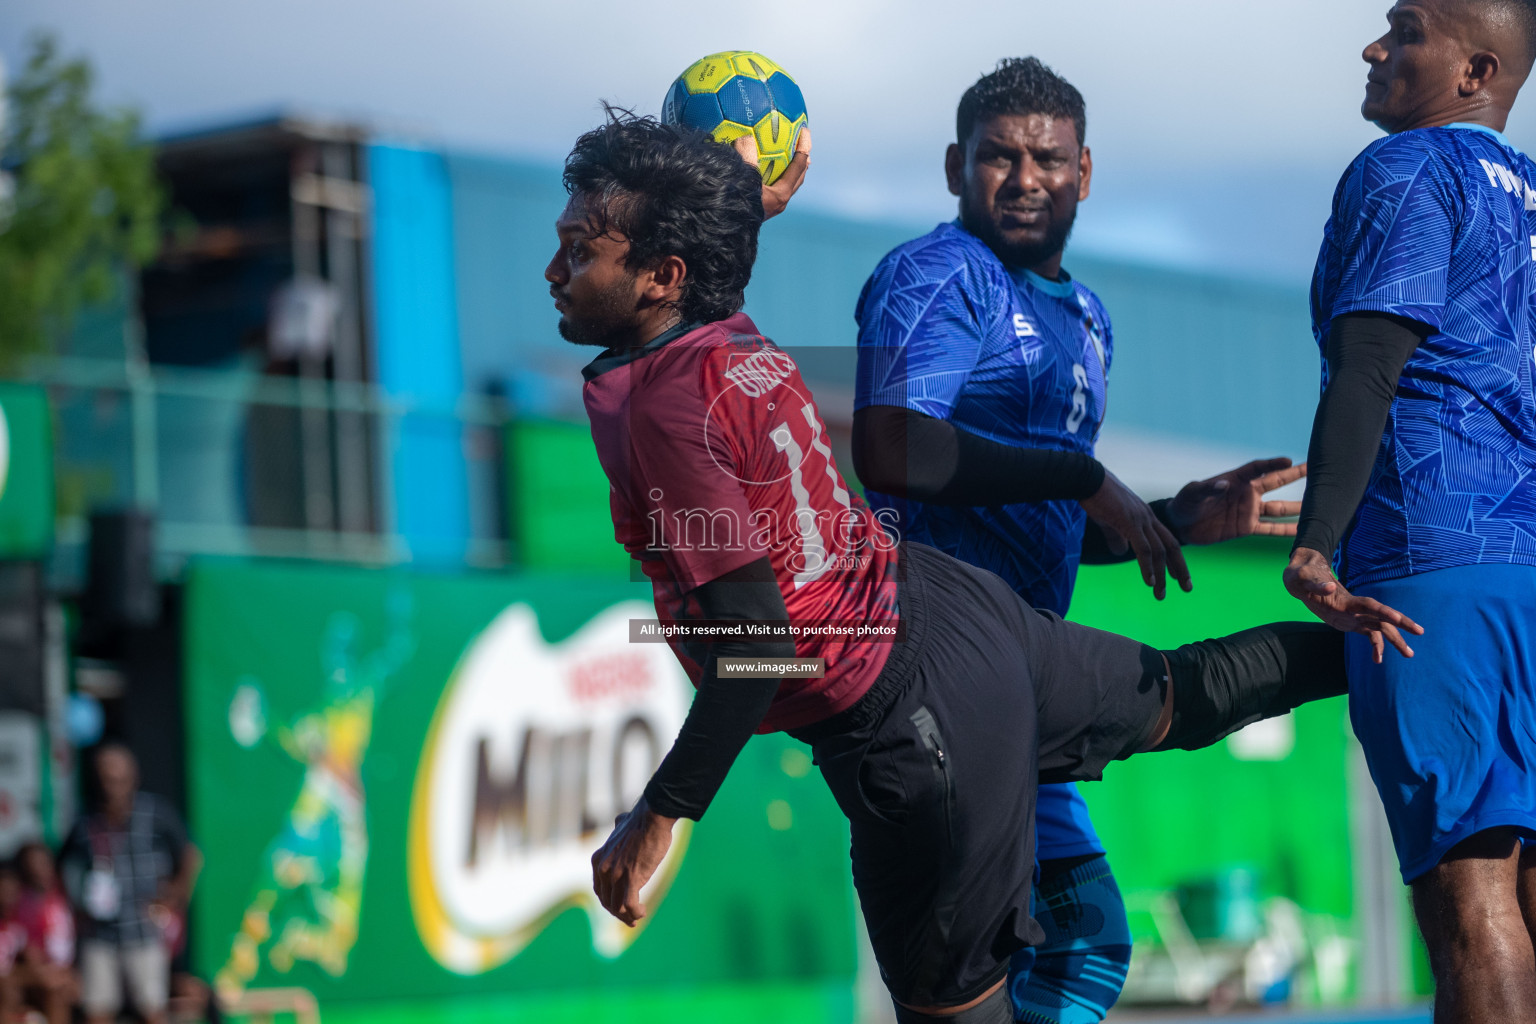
[(725, 490)]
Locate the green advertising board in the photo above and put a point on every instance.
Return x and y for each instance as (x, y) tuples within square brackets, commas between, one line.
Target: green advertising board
[(398, 780), (26, 472)]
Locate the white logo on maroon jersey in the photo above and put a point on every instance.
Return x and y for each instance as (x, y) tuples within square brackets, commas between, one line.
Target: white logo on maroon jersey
[(761, 372)]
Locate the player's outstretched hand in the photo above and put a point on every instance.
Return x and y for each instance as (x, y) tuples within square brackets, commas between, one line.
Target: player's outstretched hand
[(623, 864), (1309, 579), (1232, 505), (777, 196), (1116, 508)]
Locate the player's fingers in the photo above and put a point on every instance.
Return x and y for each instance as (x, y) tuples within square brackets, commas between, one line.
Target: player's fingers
[(1258, 468), (1116, 541), (1157, 559), (610, 899), (789, 182), (1321, 589), (1143, 551), (1318, 580), (600, 886), (746, 148), (1396, 640), (1368, 607), (1276, 509), (634, 910), (1279, 478), (1274, 529), (1378, 646), (1178, 568), (793, 177)]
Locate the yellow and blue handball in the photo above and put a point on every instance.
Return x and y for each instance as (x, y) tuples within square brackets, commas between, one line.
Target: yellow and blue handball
[(738, 93)]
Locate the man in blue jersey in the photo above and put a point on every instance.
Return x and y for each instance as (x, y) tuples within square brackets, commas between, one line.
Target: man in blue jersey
[(981, 388), (1423, 488)]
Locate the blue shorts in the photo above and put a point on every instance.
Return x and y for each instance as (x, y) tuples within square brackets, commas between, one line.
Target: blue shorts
[(1450, 734), (1062, 826)]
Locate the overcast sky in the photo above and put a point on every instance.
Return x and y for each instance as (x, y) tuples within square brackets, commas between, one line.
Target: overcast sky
[(1218, 127)]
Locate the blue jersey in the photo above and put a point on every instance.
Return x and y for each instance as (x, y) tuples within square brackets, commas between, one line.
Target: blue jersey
[(947, 330), (1439, 225)]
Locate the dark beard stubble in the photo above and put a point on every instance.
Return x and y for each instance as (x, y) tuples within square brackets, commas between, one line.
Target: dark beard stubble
[(610, 318), (1019, 255)]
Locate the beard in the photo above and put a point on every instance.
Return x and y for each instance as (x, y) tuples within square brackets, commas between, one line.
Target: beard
[(1027, 253), (604, 321)]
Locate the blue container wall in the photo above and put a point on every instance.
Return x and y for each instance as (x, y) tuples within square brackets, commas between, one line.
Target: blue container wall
[(417, 349), (504, 234), (1219, 361)]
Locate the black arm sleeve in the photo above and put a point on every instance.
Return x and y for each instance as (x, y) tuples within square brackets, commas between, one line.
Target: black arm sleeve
[(907, 454), (726, 712), (1366, 354)]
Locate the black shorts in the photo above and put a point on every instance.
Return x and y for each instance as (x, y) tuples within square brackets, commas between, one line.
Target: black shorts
[(936, 768)]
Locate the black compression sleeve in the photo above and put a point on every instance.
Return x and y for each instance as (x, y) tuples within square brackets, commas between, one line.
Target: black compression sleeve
[(725, 712), (1366, 354), (905, 453), (1221, 685)]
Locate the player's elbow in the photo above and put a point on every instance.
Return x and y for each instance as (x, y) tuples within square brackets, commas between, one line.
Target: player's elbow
[(876, 459), (876, 474), (884, 439)]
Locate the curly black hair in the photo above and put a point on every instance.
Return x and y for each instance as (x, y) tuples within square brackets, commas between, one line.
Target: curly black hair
[(674, 191), (1020, 85)]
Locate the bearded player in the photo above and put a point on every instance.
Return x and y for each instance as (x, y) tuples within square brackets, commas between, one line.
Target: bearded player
[(725, 490), (983, 369), (1423, 488)]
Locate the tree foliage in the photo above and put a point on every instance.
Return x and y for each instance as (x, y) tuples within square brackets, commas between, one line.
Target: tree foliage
[(84, 205)]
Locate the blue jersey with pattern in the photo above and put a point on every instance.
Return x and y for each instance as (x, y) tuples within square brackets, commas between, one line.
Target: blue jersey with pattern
[(1439, 225), (947, 330)]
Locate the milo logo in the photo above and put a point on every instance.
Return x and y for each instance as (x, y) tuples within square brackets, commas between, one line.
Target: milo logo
[(533, 751)]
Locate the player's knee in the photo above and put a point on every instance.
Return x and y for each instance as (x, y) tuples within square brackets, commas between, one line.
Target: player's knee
[(994, 1009), (1468, 905)]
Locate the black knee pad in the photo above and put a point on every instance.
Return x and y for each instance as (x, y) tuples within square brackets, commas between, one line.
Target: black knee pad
[(1221, 685), (995, 1009)]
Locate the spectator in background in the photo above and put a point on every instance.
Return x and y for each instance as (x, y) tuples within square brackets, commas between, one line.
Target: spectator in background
[(45, 913), (13, 943), (128, 869)]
